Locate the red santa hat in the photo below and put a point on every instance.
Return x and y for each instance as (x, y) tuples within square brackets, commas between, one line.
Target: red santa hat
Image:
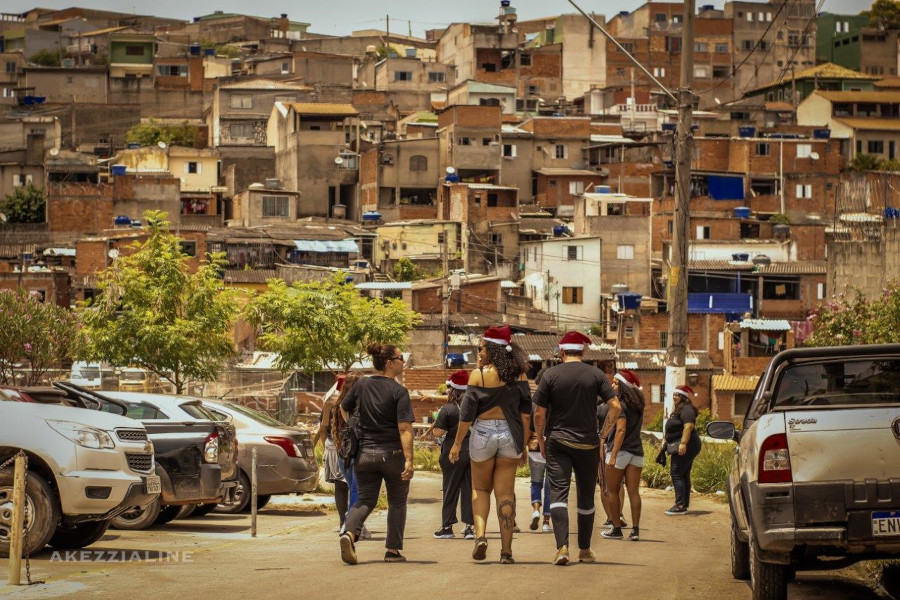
[(574, 340), (685, 391), (499, 335), (629, 378), (459, 380)]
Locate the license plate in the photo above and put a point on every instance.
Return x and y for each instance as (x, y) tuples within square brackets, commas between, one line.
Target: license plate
[(152, 485), (886, 523)]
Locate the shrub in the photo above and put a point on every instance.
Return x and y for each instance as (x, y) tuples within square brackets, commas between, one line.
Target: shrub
[(654, 475), (426, 458), (711, 468), (703, 419), (524, 471), (656, 423)]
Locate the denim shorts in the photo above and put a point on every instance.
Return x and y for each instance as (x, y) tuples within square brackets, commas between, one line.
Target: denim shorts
[(624, 459), (491, 438)]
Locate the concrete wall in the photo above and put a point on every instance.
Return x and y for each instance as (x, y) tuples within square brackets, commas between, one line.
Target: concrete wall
[(863, 264)]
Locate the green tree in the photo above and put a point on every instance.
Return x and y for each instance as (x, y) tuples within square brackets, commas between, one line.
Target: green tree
[(47, 58), (153, 132), (780, 219), (35, 335), (406, 270), (885, 13), (152, 312), (24, 205), (865, 162), (852, 319), (325, 326)]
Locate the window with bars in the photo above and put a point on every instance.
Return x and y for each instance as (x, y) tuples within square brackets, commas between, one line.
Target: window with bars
[(663, 340), (573, 252), (275, 206), (242, 102)]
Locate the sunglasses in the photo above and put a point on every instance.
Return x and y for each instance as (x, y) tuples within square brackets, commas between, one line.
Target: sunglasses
[(400, 358)]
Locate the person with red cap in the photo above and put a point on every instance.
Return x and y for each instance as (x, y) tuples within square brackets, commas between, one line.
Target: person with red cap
[(569, 439), (626, 454), (457, 476), (497, 408), (684, 445)]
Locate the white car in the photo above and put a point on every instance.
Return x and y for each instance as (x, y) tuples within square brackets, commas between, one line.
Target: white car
[(84, 469)]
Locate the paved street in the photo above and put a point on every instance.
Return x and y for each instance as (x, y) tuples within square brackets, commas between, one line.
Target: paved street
[(296, 556)]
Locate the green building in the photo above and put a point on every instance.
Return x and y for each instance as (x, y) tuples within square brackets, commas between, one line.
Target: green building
[(834, 33), (828, 76)]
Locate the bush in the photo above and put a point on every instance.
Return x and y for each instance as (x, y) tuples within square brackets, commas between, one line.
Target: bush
[(711, 468), (24, 205), (703, 419), (426, 458), (657, 422), (654, 475), (524, 471)]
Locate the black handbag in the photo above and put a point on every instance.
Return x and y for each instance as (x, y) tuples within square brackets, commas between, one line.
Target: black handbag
[(661, 457), (673, 447)]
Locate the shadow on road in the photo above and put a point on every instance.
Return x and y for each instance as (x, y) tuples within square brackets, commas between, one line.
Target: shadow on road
[(424, 500), (200, 527), (295, 513)]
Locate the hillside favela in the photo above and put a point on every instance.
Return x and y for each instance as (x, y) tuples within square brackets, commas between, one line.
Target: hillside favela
[(565, 300)]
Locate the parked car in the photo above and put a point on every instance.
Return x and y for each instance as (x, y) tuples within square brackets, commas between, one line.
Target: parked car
[(84, 469), (195, 455), (817, 464), (286, 462), (93, 376), (139, 380)]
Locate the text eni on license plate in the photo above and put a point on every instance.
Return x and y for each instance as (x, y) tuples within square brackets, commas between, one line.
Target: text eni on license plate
[(152, 485), (886, 523)]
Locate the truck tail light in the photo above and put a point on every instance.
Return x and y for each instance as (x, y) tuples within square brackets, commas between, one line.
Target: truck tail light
[(284, 443), (775, 460), (211, 448)]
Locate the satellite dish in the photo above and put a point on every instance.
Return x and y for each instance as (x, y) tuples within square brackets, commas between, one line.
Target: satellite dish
[(3, 218), (718, 102), (54, 151), (451, 170), (338, 160), (161, 145), (113, 253), (814, 155)]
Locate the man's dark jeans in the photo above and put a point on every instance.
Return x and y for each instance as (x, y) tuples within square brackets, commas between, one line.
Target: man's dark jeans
[(373, 467)]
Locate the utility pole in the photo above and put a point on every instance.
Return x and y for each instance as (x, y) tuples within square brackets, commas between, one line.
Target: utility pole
[(74, 140), (387, 27), (678, 276), (445, 301)]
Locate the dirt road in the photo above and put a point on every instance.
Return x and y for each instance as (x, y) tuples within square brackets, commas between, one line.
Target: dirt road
[(296, 556)]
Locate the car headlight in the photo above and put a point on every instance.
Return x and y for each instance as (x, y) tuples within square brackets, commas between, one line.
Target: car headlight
[(83, 435)]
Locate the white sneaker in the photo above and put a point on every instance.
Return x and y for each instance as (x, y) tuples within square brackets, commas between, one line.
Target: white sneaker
[(546, 528), (535, 520), (365, 534)]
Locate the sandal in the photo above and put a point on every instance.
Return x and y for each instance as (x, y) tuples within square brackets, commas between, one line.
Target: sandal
[(480, 550), (506, 558)]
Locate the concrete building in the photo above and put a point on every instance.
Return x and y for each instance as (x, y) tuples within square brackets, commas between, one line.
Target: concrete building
[(131, 55), (315, 153), (400, 178), (239, 112), (261, 206), (794, 88), (561, 276), (489, 224), (12, 65), (864, 122), (220, 27), (483, 94), (485, 53), (423, 242), (409, 74), (66, 86), (470, 142), (559, 161), (23, 144), (833, 31), (869, 50)]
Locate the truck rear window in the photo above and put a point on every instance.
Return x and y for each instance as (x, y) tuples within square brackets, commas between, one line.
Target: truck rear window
[(840, 383)]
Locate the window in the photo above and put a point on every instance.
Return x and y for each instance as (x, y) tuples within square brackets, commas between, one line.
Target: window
[(561, 151), (629, 331), (722, 49), (21, 180), (720, 72), (275, 206), (172, 70), (620, 71), (240, 130), (242, 102), (8, 93), (551, 183), (701, 47), (497, 239), (509, 150), (659, 72), (701, 72), (702, 232), (804, 191), (663, 340), (820, 291), (492, 199), (763, 149), (576, 188), (661, 18), (670, 225), (750, 16), (418, 163), (285, 68), (485, 141), (655, 393), (875, 147), (525, 59), (673, 45), (629, 47), (402, 75), (134, 50), (625, 252), (804, 150), (464, 141), (436, 77), (573, 295), (532, 90), (748, 45), (489, 67), (188, 247), (193, 167), (441, 238), (10, 66), (574, 252)]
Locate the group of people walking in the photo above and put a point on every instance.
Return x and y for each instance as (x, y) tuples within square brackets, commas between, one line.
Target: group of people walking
[(577, 422)]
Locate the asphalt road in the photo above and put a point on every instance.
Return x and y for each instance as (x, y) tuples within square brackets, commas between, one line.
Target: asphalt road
[(296, 555)]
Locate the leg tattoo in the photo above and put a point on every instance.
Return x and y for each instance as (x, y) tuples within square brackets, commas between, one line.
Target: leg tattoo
[(507, 514)]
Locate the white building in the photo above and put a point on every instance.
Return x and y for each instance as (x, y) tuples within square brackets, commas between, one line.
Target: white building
[(562, 277)]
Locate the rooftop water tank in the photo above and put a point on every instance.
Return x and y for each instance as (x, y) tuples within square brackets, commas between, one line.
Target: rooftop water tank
[(742, 212), (620, 288), (118, 169), (747, 131), (455, 359), (781, 230), (602, 189), (891, 213), (410, 53), (629, 300), (122, 221), (371, 215), (133, 145), (339, 211), (821, 134), (560, 230), (761, 260), (210, 52), (195, 49)]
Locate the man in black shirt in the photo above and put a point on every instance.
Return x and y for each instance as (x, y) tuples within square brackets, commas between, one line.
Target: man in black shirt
[(570, 441)]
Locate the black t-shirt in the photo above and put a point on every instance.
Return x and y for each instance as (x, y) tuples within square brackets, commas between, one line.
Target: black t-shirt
[(513, 398), (675, 425), (448, 420), (571, 392), (383, 403), (633, 421)]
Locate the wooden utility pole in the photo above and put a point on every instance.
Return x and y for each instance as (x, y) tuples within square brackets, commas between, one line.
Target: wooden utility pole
[(677, 287), (445, 300), (17, 530)]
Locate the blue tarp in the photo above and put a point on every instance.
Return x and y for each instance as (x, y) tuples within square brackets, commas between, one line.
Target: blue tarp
[(725, 187), (327, 246), (720, 303)]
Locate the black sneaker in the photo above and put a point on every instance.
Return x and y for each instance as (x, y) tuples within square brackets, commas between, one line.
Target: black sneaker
[(469, 532), (676, 510), (444, 533), (613, 534), (394, 557), (608, 524), (348, 549), (634, 535)]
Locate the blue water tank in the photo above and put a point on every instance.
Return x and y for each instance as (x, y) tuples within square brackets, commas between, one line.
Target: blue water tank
[(891, 213), (371, 215), (560, 230), (740, 257), (122, 221), (133, 145), (602, 189), (629, 300), (195, 49), (210, 52), (821, 134), (668, 126), (742, 212), (747, 131), (455, 359), (118, 169)]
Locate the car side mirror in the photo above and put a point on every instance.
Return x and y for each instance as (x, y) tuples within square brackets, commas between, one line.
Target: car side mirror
[(721, 430)]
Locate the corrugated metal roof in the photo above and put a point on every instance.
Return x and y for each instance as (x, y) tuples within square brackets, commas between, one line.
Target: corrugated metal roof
[(249, 276), (765, 324), (348, 246), (387, 286), (655, 360), (324, 109), (508, 285), (546, 346), (598, 138), (874, 96), (15, 250), (558, 172), (871, 123), (809, 267), (734, 383), (477, 87), (488, 186), (265, 84)]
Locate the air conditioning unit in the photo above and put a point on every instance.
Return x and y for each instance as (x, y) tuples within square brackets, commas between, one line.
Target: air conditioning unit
[(387, 159)]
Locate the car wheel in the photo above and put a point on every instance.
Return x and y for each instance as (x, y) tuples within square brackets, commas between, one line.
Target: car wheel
[(186, 511), (241, 498), (137, 518), (203, 510), (73, 537), (768, 581), (42, 517), (166, 514), (740, 555), (261, 501)]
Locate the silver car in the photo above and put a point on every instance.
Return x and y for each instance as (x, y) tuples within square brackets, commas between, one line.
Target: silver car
[(286, 462)]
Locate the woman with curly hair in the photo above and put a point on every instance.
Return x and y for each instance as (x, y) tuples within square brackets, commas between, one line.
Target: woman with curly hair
[(497, 409)]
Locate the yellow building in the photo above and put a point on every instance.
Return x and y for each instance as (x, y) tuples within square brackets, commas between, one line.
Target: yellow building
[(422, 242)]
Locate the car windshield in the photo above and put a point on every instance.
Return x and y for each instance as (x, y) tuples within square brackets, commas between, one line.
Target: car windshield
[(133, 376), (88, 373), (143, 411), (196, 410), (839, 383), (256, 415)]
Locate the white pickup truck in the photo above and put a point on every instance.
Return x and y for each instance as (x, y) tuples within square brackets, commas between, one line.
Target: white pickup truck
[(816, 473), (84, 469)]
